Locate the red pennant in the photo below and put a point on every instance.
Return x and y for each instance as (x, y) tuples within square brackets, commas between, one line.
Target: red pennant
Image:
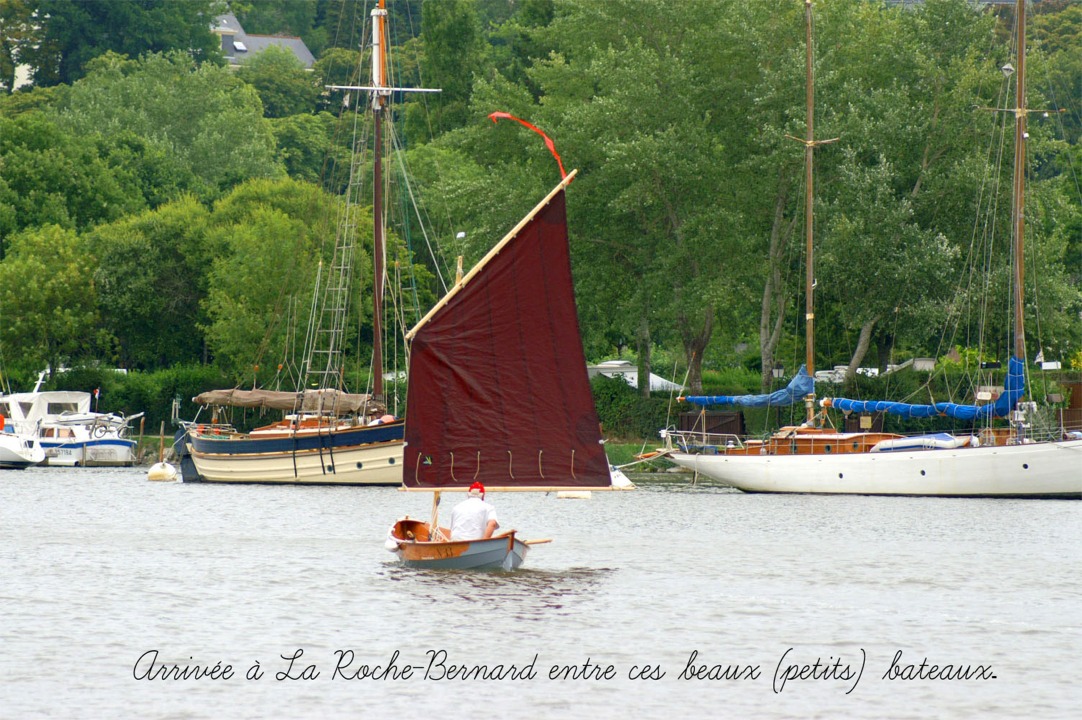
[(548, 141)]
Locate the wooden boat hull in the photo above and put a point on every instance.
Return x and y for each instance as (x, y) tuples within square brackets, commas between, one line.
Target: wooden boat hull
[(1032, 470), (409, 540), (364, 455)]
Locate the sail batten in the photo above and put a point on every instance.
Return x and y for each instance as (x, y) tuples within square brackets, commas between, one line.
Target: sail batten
[(499, 391)]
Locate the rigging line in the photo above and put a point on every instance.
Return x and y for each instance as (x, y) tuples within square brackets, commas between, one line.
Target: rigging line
[(416, 207), (668, 411), (981, 241), (1060, 126), (408, 236)]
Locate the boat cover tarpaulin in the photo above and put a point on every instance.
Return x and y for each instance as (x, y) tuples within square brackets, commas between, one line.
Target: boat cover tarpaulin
[(331, 401), (498, 388), (1013, 389), (800, 386)]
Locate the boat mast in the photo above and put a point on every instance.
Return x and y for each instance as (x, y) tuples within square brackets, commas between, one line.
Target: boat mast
[(1018, 194), (380, 93), (809, 199), (810, 143), (379, 101)]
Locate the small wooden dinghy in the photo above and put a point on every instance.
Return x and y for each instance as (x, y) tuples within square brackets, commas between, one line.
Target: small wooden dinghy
[(498, 395), (415, 546)]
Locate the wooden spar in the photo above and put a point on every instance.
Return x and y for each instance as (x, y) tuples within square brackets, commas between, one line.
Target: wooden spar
[(434, 525), (809, 198), (378, 101), (810, 143), (491, 254)]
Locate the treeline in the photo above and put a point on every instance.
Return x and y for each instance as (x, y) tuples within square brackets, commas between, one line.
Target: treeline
[(158, 209)]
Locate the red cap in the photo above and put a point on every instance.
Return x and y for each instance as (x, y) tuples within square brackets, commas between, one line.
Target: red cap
[(477, 487)]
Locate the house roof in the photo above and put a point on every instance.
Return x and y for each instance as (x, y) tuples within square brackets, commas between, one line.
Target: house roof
[(238, 46)]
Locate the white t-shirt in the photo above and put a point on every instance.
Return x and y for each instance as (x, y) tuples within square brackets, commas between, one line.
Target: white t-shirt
[(470, 517)]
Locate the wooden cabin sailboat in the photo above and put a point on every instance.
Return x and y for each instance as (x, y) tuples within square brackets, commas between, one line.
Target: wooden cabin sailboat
[(328, 435), (499, 392), (811, 458)]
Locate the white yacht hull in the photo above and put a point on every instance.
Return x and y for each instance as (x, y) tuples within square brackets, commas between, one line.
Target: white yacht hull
[(1034, 470), (19, 451), (115, 452)]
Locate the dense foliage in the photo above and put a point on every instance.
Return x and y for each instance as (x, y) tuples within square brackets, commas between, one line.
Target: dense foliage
[(158, 209)]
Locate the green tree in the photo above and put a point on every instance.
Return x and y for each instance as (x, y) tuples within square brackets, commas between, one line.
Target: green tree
[(650, 179), (47, 298), (266, 238), (202, 121), (275, 17), (304, 145), (74, 33), (48, 176), (453, 48), (151, 280), (283, 84), (18, 34)]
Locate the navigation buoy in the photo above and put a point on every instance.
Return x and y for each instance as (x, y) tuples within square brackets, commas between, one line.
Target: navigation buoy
[(162, 472)]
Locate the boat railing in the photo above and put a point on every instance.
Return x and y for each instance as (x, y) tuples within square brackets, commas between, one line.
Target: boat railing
[(213, 428), (701, 443)]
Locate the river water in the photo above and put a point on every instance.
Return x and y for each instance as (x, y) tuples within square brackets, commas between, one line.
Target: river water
[(809, 606)]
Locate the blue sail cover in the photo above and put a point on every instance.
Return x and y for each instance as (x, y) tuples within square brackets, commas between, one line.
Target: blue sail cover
[(1013, 389), (800, 386)]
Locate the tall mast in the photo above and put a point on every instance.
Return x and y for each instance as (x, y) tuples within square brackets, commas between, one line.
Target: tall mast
[(379, 100), (379, 92), (810, 143), (1018, 194), (809, 199)]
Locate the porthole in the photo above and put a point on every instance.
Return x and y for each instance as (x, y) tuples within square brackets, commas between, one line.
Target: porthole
[(840, 476), (360, 466), (391, 461), (923, 473), (1025, 466), (827, 449)]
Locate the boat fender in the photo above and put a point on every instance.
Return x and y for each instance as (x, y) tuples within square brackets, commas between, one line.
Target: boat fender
[(390, 543)]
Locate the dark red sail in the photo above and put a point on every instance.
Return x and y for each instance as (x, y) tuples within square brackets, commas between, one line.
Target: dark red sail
[(498, 389)]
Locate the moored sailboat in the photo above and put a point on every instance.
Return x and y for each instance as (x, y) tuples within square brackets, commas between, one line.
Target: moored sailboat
[(812, 458), (327, 435), (499, 392)]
